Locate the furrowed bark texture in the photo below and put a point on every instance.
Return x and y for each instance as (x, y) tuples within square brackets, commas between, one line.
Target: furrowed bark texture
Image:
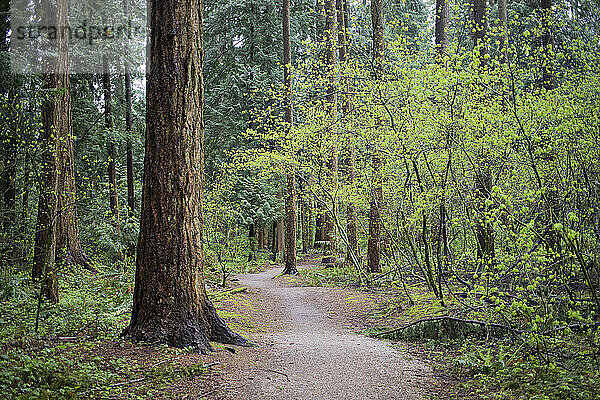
[(170, 304)]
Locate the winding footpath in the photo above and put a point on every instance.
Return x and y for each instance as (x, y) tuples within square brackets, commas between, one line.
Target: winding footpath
[(309, 354)]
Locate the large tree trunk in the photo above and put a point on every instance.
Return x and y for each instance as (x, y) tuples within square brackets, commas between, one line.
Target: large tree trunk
[(170, 304), (290, 198), (108, 123), (374, 242)]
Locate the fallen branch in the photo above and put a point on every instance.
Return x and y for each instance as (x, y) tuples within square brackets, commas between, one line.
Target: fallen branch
[(455, 319), (128, 382), (64, 338), (163, 361), (277, 372), (212, 364), (573, 327)]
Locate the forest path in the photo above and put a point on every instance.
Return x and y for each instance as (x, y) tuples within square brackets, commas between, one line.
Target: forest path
[(307, 352)]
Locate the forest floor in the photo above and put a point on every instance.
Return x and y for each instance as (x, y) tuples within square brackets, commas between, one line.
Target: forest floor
[(308, 346)]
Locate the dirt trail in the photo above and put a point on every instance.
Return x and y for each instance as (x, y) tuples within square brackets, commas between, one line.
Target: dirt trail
[(309, 354)]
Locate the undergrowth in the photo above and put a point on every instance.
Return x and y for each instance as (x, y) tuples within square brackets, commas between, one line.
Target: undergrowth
[(76, 351)]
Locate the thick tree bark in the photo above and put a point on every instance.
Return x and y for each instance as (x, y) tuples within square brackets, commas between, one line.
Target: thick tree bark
[(108, 124), (290, 198), (170, 304), (374, 242)]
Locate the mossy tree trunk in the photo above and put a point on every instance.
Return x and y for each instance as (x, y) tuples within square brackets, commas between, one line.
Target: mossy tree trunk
[(57, 239)]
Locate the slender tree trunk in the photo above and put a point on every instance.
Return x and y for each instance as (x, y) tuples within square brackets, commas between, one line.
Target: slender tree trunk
[(547, 45), (305, 225), (503, 18), (374, 242), (329, 231), (274, 241), (8, 185), (259, 238), (343, 43), (129, 145), (280, 242), (25, 202), (484, 233), (290, 198), (441, 27), (170, 304), (128, 130), (108, 123), (252, 242), (479, 27), (319, 230)]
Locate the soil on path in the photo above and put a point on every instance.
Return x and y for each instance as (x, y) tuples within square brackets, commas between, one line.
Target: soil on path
[(306, 349)]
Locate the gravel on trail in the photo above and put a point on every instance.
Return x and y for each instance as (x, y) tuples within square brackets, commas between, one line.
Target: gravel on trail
[(309, 353)]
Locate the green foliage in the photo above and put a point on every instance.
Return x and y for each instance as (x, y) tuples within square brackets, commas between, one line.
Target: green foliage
[(500, 372), (24, 377), (97, 306), (62, 374)]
